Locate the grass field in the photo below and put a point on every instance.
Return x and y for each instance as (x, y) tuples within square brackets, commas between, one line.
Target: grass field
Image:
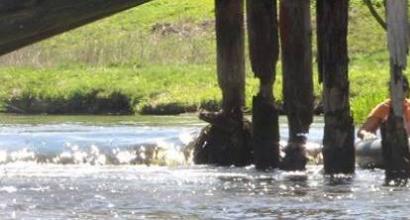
[(159, 58)]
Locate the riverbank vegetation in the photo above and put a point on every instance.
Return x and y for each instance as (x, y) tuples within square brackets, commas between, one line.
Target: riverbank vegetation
[(159, 58)]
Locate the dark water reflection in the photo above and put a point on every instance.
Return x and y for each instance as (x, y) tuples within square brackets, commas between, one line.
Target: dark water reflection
[(178, 190)]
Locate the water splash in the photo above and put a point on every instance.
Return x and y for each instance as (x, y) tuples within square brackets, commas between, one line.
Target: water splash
[(95, 145), (160, 153)]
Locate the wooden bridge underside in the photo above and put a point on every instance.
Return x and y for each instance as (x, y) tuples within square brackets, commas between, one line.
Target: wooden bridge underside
[(23, 22)]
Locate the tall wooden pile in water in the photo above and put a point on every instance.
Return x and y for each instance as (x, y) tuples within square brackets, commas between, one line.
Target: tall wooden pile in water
[(296, 45), (394, 136), (264, 50), (338, 141)]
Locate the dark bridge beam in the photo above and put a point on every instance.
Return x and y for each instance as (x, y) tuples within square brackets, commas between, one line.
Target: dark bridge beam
[(23, 22)]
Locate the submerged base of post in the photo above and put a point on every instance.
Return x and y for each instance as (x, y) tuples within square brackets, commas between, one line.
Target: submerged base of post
[(265, 133), (338, 144), (226, 141), (295, 155), (395, 151)]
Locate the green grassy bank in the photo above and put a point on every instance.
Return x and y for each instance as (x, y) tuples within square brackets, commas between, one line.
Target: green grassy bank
[(159, 58)]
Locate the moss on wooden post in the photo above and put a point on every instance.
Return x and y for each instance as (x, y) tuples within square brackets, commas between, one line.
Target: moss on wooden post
[(295, 30), (338, 140), (264, 49)]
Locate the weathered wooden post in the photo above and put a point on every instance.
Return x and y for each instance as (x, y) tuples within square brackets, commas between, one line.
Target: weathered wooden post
[(338, 140), (230, 55), (227, 140), (264, 49), (394, 136), (295, 31)]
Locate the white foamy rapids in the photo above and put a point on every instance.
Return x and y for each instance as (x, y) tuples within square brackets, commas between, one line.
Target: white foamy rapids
[(96, 145), (160, 153), (313, 151), (164, 152)]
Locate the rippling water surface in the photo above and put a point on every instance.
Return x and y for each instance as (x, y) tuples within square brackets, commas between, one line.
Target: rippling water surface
[(137, 168)]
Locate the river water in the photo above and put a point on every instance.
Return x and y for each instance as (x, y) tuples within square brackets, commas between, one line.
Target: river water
[(137, 168)]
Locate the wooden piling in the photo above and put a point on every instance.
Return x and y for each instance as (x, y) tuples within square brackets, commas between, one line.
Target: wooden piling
[(227, 140), (230, 54), (295, 31), (24, 22), (394, 135), (338, 140), (264, 49)]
